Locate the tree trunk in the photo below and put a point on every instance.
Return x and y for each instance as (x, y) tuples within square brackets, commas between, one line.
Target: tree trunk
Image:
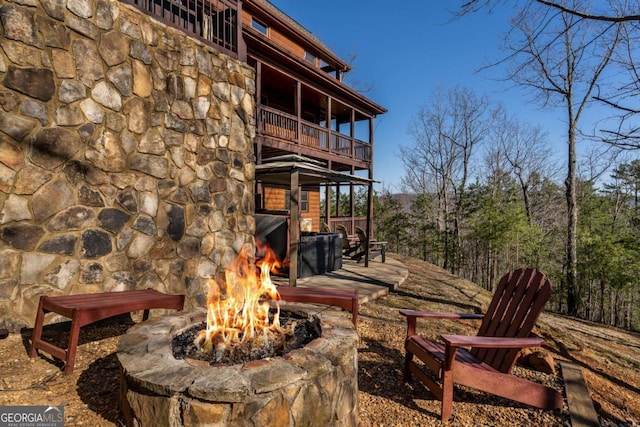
[(573, 297), (602, 314), (630, 316), (425, 246)]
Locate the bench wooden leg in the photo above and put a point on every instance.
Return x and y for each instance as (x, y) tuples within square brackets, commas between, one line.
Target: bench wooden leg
[(354, 310), (145, 315), (74, 334), (37, 329)]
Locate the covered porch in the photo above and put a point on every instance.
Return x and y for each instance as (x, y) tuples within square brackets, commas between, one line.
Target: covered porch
[(294, 172), (299, 117)]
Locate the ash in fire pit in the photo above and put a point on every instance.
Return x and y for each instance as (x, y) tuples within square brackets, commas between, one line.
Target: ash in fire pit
[(298, 329)]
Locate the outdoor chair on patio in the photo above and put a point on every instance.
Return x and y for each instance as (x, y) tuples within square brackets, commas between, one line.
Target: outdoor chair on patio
[(374, 247), (347, 247), (505, 330)]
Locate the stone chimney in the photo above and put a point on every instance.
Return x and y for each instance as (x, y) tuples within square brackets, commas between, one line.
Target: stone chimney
[(126, 155)]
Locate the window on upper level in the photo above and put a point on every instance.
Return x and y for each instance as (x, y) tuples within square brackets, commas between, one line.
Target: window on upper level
[(325, 67), (304, 200), (257, 25), (310, 57)]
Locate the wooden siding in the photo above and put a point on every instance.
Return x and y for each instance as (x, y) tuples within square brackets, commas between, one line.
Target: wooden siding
[(274, 199), (276, 36), (314, 210)]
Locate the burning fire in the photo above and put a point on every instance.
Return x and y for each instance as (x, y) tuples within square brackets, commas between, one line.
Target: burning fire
[(238, 307)]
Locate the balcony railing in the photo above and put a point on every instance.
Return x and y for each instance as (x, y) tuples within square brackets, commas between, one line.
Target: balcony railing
[(314, 136), (213, 21), (284, 126)]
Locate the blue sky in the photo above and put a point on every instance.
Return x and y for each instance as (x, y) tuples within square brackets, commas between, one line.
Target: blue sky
[(406, 49)]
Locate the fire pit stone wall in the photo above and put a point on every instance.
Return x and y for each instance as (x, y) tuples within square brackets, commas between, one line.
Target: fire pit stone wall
[(314, 385)]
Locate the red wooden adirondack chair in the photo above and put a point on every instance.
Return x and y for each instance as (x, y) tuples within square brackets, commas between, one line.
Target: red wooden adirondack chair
[(505, 330)]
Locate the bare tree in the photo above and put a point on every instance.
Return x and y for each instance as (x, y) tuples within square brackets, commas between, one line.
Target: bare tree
[(445, 134), (616, 11), (526, 153), (562, 57), (620, 93), (351, 78)]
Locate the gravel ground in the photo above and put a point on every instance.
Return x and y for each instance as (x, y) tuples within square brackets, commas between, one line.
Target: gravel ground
[(612, 368)]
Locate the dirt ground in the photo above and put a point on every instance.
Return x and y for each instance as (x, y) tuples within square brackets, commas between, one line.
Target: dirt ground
[(609, 358)]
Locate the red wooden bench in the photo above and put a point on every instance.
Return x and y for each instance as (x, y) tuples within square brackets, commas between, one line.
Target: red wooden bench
[(84, 309), (343, 298)]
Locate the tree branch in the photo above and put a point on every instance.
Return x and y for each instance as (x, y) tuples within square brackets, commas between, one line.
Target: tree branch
[(616, 105), (584, 15)]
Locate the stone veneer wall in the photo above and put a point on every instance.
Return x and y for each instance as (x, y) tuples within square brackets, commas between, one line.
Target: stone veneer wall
[(126, 155)]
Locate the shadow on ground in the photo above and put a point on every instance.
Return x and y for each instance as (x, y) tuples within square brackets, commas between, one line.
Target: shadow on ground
[(58, 333), (99, 388)]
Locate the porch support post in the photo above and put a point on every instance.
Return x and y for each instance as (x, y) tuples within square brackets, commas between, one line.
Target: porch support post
[(369, 211), (241, 45), (294, 227), (370, 192), (299, 114), (338, 201), (259, 124), (327, 200), (352, 201), (352, 132), (329, 139)]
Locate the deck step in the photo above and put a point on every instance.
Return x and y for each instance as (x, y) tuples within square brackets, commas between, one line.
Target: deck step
[(581, 409)]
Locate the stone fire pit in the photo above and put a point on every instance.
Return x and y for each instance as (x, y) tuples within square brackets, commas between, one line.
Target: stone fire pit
[(314, 385)]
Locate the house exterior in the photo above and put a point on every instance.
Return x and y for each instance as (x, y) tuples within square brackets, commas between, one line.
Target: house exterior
[(129, 135), (304, 107), (302, 104)]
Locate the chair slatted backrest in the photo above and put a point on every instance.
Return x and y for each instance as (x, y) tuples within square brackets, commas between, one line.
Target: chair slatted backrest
[(362, 236), (513, 312), (345, 236)]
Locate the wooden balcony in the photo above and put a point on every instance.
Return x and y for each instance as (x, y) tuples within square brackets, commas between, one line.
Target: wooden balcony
[(285, 127), (214, 22)]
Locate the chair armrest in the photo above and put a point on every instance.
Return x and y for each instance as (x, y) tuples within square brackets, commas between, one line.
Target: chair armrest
[(412, 316), (490, 342), (437, 315)]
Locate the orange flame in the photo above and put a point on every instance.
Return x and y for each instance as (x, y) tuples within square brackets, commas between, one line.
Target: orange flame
[(238, 308), (269, 257)]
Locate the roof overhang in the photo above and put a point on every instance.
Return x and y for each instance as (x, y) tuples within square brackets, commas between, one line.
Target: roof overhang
[(278, 170), (267, 51), (293, 29)]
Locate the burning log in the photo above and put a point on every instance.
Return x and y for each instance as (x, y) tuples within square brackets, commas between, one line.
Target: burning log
[(243, 316)]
